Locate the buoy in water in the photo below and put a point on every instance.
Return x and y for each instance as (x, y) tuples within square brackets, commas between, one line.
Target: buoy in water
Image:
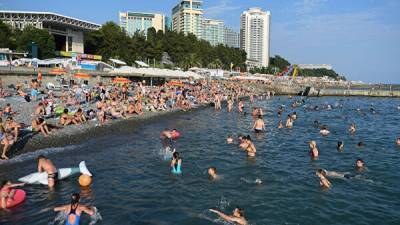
[(85, 180)]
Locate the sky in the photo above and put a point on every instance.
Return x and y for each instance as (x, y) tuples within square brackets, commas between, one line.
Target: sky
[(359, 38)]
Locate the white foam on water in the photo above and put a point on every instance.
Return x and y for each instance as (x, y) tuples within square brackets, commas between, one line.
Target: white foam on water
[(95, 217)]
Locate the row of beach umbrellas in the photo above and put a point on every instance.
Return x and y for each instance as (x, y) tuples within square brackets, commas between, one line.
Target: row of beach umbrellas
[(81, 75)]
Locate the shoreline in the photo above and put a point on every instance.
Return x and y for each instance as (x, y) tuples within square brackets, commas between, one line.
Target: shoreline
[(77, 134)]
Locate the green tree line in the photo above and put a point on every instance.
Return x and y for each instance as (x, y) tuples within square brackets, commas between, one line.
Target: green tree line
[(21, 40), (186, 51)]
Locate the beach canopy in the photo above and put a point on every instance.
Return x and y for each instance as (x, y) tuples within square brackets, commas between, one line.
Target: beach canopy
[(121, 80), (57, 71), (82, 75), (175, 83)]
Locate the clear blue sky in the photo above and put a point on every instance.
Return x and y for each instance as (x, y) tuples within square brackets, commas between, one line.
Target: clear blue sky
[(360, 38)]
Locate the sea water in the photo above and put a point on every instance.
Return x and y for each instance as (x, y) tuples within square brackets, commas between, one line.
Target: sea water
[(132, 183)]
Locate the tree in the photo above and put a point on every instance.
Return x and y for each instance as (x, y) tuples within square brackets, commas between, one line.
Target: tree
[(7, 38), (41, 37), (279, 62)]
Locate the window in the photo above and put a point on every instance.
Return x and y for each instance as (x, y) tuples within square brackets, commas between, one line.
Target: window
[(69, 43)]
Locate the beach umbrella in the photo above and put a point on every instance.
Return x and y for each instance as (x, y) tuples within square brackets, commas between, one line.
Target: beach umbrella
[(82, 75), (57, 71), (121, 80), (175, 83)]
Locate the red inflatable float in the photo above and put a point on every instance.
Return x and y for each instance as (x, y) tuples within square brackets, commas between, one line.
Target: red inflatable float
[(175, 134), (18, 198)]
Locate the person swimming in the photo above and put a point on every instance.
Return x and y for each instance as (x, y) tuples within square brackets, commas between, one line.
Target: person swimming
[(314, 153), (324, 131), (176, 163), (236, 217), (289, 122), (74, 210), (229, 139), (280, 125), (212, 173), (323, 181), (360, 165), (360, 144), (352, 128), (398, 141), (340, 146)]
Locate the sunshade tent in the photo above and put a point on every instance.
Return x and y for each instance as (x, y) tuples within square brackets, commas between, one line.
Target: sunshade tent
[(82, 75), (57, 71), (121, 80)]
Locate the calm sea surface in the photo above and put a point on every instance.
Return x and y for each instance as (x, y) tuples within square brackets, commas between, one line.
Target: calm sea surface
[(133, 184)]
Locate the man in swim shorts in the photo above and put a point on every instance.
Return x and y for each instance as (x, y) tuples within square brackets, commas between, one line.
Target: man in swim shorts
[(259, 125), (46, 165)]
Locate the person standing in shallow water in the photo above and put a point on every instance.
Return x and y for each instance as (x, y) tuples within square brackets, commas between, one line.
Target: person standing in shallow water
[(314, 153), (240, 106), (259, 125)]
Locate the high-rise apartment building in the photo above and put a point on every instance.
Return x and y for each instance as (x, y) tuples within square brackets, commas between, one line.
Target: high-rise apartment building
[(187, 17), (231, 38), (212, 31), (133, 22), (255, 36)]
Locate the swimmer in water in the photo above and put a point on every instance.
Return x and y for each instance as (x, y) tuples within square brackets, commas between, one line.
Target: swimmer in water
[(289, 122), (324, 131), (176, 163), (280, 125), (360, 144), (360, 165), (242, 142), (259, 125), (293, 116), (340, 146), (250, 149), (316, 123), (352, 128), (236, 217), (74, 210), (229, 139), (212, 173), (323, 181), (314, 153), (240, 106), (398, 141)]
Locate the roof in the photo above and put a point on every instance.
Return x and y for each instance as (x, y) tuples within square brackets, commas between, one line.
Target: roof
[(72, 21)]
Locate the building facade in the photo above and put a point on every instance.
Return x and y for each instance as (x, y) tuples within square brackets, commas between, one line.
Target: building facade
[(212, 31), (132, 22), (255, 36), (231, 38), (187, 17), (67, 31)]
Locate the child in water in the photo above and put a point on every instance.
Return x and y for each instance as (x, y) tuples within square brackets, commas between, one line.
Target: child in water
[(7, 192), (176, 163), (323, 181)]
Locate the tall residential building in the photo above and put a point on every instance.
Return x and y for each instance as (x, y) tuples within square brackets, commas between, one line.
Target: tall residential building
[(133, 22), (255, 36), (187, 16), (231, 38), (168, 23), (212, 31)]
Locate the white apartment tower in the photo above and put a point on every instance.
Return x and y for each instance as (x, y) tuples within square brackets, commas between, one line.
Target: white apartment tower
[(187, 17), (255, 36)]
